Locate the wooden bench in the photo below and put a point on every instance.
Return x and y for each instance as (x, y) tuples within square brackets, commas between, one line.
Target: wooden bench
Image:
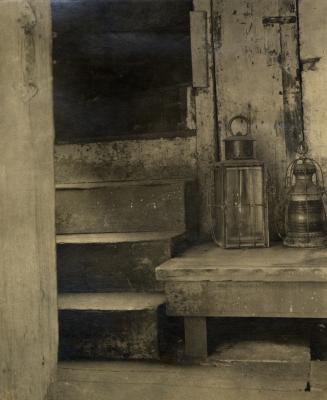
[(208, 281)]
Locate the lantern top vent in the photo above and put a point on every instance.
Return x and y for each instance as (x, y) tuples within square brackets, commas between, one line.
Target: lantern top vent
[(240, 144)]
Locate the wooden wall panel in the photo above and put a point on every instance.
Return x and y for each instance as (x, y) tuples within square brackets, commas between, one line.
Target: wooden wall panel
[(28, 309), (313, 38), (256, 65)]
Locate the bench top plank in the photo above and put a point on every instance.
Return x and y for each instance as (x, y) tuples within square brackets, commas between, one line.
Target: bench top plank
[(208, 262)]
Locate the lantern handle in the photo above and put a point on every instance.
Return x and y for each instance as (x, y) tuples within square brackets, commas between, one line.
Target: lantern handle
[(302, 149), (242, 118)]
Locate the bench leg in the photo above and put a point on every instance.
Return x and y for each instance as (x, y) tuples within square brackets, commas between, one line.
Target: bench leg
[(196, 348)]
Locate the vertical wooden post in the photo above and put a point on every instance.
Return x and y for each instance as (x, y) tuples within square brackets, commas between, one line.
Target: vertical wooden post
[(196, 347), (28, 306), (205, 103)]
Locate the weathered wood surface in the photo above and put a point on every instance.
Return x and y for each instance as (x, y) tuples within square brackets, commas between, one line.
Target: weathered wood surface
[(206, 114), (126, 160), (141, 380), (110, 301), (256, 64), (318, 376), (275, 264), (109, 326), (105, 238), (121, 50), (112, 262), (28, 306), (196, 347), (247, 299), (313, 37), (121, 207), (199, 48)]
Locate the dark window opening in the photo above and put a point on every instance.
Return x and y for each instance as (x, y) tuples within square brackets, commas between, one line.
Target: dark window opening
[(121, 68)]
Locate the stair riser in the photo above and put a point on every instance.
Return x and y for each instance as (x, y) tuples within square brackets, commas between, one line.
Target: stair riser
[(104, 335), (121, 209), (110, 267)]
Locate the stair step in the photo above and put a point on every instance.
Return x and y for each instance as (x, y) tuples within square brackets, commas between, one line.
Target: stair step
[(109, 325), (111, 238), (145, 380), (110, 301), (113, 262), (142, 206)]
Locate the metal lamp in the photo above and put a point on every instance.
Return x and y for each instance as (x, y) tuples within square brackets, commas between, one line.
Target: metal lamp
[(240, 209), (305, 217)]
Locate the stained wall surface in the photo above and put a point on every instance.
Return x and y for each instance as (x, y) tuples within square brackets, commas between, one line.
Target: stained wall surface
[(313, 37)]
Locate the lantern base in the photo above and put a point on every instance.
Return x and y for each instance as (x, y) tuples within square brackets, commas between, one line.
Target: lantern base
[(316, 239)]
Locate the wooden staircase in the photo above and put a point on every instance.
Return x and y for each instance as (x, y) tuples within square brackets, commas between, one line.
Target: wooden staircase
[(110, 238)]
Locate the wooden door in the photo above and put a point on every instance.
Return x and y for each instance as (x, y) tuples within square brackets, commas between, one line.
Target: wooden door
[(257, 74), (246, 61)]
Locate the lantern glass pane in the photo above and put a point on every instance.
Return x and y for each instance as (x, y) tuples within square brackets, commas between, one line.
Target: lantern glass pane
[(244, 207)]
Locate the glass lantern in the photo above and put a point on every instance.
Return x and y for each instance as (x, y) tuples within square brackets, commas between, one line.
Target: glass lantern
[(240, 199)]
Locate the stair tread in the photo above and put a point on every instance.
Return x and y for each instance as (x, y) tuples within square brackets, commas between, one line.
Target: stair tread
[(85, 238), (102, 184), (123, 301), (221, 379)]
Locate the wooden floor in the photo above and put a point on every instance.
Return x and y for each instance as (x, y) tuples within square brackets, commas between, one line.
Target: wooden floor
[(147, 381)]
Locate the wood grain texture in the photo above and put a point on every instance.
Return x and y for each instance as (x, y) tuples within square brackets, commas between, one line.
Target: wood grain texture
[(121, 208), (313, 37), (141, 380), (28, 305), (247, 299), (199, 43), (257, 76), (275, 264), (205, 104), (291, 76)]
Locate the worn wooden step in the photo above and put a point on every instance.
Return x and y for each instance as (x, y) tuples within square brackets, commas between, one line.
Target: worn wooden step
[(145, 380), (110, 262), (140, 206), (109, 326), (126, 160)]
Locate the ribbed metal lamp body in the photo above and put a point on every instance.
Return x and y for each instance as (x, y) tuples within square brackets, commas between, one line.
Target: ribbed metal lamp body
[(305, 214)]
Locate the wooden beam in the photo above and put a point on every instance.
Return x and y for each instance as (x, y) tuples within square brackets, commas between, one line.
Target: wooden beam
[(206, 120), (196, 347), (28, 307), (247, 299)]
